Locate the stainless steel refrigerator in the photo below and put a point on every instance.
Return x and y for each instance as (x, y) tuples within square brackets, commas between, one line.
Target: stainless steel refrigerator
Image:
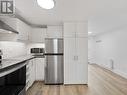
[(54, 61)]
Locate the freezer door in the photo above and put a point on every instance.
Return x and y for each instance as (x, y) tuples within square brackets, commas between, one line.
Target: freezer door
[(54, 69), (54, 45)]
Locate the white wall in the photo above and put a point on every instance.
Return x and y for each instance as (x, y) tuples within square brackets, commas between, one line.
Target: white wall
[(111, 47), (12, 49), (8, 37), (91, 50)]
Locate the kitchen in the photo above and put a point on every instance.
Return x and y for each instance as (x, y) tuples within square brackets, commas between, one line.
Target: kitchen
[(45, 49), (42, 53)]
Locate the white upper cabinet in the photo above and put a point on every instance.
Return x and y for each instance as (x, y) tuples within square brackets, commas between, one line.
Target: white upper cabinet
[(69, 29), (12, 22), (54, 32), (38, 35), (75, 29), (23, 30), (82, 29)]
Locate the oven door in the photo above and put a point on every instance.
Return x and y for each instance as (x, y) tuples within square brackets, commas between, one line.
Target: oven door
[(13, 83), (23, 92)]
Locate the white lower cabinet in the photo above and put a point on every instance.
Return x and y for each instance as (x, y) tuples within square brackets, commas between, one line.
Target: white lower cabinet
[(39, 69), (69, 62), (82, 60), (75, 61), (34, 71), (30, 73)]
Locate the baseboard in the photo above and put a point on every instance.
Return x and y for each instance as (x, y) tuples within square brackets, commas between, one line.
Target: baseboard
[(38, 81), (122, 74)]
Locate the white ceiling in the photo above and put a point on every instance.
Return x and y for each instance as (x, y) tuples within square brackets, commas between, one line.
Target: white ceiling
[(106, 15), (64, 10), (102, 15), (101, 24)]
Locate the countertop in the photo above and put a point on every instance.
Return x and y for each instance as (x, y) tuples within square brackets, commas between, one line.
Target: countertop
[(10, 65), (13, 61)]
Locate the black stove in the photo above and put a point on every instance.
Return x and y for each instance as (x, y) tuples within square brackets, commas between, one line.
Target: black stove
[(13, 83)]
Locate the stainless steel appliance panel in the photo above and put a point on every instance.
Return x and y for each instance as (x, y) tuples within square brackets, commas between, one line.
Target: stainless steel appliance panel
[(54, 61), (54, 69), (37, 50), (54, 45)]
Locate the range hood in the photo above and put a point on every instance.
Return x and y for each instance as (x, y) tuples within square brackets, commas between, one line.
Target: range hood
[(4, 28)]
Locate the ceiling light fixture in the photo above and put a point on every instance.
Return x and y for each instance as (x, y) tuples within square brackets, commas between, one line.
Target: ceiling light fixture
[(89, 32), (46, 4), (9, 32)]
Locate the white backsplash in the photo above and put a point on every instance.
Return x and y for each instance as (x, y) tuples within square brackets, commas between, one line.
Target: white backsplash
[(13, 49)]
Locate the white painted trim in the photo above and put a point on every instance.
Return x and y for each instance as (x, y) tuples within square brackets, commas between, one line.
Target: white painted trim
[(122, 74)]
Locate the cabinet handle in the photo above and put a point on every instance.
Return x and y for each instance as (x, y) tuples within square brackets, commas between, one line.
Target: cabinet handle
[(75, 57)]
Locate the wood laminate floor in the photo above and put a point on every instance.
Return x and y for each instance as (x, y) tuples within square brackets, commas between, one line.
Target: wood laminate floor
[(101, 82)]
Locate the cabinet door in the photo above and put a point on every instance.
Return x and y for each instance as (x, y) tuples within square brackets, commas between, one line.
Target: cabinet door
[(12, 22), (39, 69), (23, 30), (82, 60), (69, 29), (69, 61), (32, 71), (38, 35), (82, 29), (75, 61), (54, 32)]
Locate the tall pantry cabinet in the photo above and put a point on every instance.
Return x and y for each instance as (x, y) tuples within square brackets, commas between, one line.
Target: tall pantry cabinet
[(75, 52)]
